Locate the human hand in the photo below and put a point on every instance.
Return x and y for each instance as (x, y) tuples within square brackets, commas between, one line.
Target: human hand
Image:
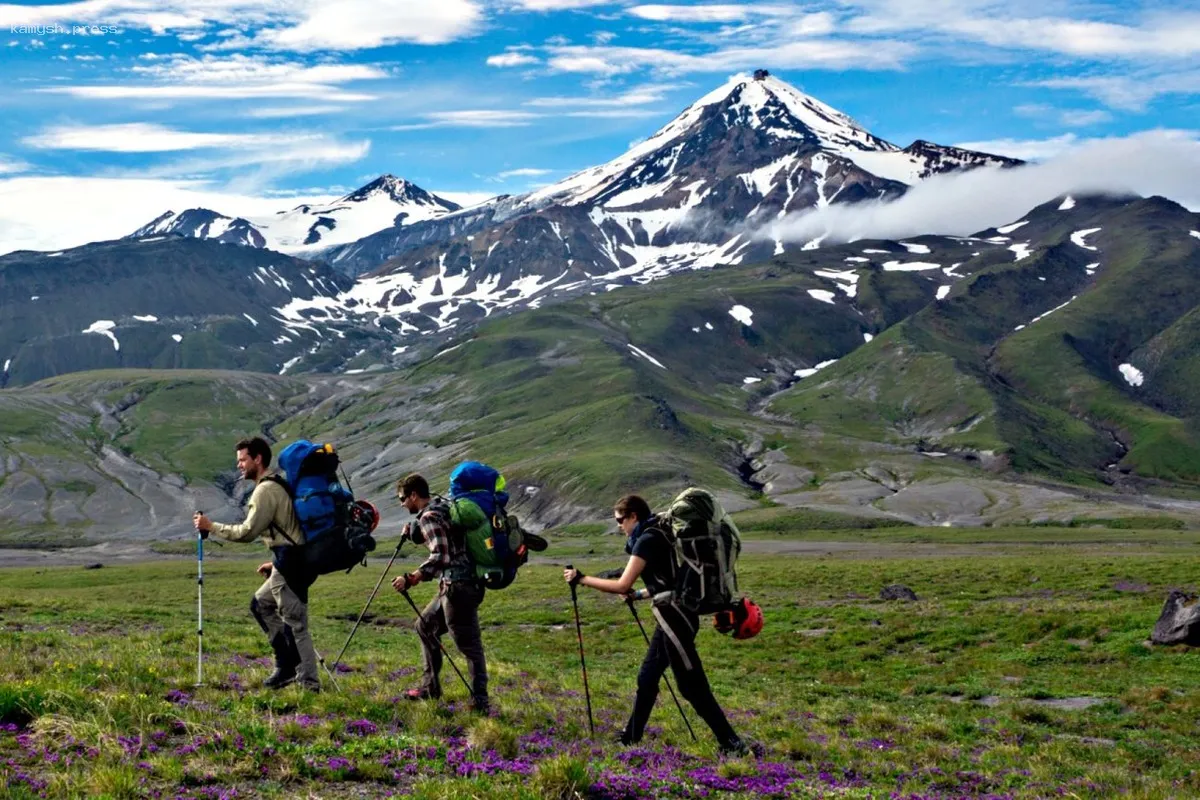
[(406, 581), (265, 569)]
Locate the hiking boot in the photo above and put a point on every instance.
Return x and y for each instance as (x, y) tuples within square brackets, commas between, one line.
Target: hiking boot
[(280, 678), (481, 706), (287, 659), (421, 693), (735, 747), (308, 686)]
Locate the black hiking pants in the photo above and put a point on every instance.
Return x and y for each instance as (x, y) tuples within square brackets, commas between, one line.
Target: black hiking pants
[(674, 644), (454, 609)]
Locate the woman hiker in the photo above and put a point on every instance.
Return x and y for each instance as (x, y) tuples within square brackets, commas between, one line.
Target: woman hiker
[(651, 558)]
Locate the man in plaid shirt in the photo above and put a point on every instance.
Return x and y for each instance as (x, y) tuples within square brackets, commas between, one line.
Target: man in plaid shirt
[(455, 607)]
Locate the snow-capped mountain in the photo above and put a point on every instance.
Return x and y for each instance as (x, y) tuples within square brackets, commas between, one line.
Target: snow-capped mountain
[(769, 125), (691, 196), (203, 223), (307, 229)]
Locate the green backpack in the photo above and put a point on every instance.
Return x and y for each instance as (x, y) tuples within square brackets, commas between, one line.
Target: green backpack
[(496, 546), (706, 545)]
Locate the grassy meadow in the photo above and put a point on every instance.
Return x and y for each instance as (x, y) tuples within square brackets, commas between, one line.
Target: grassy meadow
[(1023, 670)]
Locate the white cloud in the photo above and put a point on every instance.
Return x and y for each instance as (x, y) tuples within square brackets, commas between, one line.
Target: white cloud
[(1027, 25), (523, 172), (278, 24), (634, 97), (11, 167), (231, 77), (358, 24), (1079, 118), (282, 112), (143, 137), (471, 118), (1067, 117), (512, 58), (558, 5), (801, 54), (54, 213), (708, 13), (1025, 149), (1132, 92), (1163, 163)]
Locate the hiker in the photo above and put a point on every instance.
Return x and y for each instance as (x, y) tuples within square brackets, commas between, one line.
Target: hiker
[(455, 607), (674, 641), (281, 604)]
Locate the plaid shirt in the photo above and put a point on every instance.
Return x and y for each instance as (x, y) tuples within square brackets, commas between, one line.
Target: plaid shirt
[(447, 554)]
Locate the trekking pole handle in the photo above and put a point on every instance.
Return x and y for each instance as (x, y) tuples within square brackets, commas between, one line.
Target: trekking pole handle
[(206, 537), (578, 577)]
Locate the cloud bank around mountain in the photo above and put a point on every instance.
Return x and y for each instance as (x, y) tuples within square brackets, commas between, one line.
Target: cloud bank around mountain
[(1165, 163)]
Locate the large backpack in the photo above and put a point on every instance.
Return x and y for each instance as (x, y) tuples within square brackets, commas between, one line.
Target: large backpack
[(706, 545), (337, 528), (494, 538)]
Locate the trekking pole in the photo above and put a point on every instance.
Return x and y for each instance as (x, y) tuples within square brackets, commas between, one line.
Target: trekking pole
[(587, 694), (671, 689), (328, 671), (440, 644), (199, 607), (370, 599)]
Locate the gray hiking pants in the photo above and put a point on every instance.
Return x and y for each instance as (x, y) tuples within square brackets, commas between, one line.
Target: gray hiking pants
[(454, 609), (277, 606)]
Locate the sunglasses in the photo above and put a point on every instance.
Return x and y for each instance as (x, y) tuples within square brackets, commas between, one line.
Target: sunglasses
[(621, 518)]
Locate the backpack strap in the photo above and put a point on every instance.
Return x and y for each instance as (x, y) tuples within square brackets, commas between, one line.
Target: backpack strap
[(274, 526)]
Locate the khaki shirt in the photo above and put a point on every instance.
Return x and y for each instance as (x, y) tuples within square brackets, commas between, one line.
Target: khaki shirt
[(269, 503)]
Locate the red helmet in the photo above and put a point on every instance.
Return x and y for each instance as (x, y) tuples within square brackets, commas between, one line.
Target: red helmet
[(744, 619), (365, 512)]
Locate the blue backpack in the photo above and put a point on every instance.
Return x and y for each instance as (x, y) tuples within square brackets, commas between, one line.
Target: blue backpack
[(337, 528)]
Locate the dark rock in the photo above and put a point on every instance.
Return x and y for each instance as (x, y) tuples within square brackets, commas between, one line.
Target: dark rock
[(94, 566), (898, 591), (1179, 622)]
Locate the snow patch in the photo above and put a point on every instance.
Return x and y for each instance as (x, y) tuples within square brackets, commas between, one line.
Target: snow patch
[(708, 326), (6, 365), (1133, 376), (1021, 250), (1048, 313), (749, 381), (1078, 238), (867, 336), (1195, 233), (291, 362), (916, 249), (104, 327), (847, 280), (804, 373), (823, 295), (1091, 268), (857, 259), (742, 315), (253, 321), (146, 318), (642, 353), (1013, 227), (878, 252), (1067, 204), (942, 292), (912, 266), (176, 337)]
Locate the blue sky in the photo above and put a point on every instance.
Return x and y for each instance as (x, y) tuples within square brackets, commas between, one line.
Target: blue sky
[(115, 108)]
